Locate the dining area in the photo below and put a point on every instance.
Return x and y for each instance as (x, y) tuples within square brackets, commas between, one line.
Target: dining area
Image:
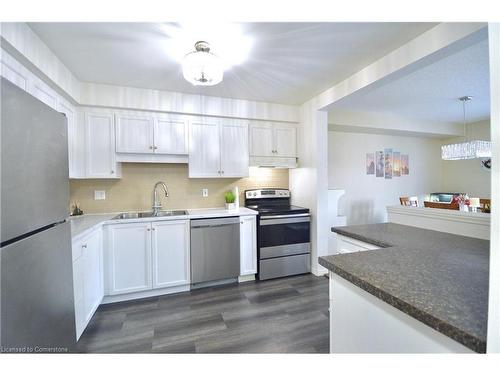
[(449, 201)]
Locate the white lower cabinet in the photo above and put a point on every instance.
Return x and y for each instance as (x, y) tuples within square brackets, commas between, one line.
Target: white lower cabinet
[(128, 258), (87, 278), (147, 255), (248, 245), (350, 245), (170, 248)]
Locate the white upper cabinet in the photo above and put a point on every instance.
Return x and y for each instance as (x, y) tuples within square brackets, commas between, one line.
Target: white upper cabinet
[(273, 145), (100, 146), (285, 141), (170, 136), (218, 149), (261, 140), (134, 134), (76, 139), (170, 251), (204, 149), (234, 150)]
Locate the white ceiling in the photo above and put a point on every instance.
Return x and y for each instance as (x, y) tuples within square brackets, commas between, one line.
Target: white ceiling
[(431, 93), (289, 62)]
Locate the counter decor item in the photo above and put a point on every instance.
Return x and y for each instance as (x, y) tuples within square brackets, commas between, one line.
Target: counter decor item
[(463, 202), (474, 204), (76, 211), (230, 198)]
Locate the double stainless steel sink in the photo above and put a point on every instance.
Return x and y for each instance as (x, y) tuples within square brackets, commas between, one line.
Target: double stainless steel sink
[(146, 214)]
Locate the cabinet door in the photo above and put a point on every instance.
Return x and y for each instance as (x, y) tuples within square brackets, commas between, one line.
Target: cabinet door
[(134, 134), (129, 257), (234, 150), (285, 141), (204, 149), (170, 136), (78, 287), (170, 250), (100, 146), (43, 92), (76, 160), (248, 245), (261, 140), (92, 273)]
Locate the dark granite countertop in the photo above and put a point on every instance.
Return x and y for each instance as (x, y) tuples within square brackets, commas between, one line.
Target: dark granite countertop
[(438, 278)]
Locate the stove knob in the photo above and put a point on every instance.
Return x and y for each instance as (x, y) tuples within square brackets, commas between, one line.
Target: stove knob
[(254, 193)]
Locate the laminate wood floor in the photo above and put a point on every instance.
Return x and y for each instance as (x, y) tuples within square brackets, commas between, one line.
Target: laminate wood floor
[(288, 315)]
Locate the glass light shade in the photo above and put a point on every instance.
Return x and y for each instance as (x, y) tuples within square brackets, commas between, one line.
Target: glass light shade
[(466, 150), (202, 68)]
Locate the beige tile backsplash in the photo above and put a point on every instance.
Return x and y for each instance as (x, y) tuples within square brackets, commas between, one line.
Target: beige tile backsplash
[(134, 190)]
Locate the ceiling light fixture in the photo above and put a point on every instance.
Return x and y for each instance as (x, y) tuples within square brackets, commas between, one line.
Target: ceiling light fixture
[(470, 149), (201, 67)]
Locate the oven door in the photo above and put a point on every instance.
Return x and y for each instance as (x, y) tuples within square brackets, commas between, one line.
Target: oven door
[(282, 235)]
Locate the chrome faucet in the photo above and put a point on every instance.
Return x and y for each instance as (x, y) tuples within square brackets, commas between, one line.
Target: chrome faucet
[(156, 201)]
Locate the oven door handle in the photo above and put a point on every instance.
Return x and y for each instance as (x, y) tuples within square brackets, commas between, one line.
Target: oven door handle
[(285, 219), (283, 216)]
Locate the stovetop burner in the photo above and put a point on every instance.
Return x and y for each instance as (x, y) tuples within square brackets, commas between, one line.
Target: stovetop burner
[(272, 202)]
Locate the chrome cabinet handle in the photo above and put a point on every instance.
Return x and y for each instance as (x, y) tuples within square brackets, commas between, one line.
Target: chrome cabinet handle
[(84, 246), (148, 229), (155, 147)]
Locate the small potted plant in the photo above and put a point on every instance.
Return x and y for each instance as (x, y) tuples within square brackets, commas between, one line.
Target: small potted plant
[(230, 198)]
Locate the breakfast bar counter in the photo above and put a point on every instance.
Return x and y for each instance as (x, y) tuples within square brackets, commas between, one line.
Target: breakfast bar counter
[(438, 279)]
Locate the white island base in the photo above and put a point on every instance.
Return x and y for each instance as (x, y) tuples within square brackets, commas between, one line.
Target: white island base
[(362, 323)]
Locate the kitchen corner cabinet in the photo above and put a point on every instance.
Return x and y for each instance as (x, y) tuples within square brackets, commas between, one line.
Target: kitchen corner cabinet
[(248, 245), (100, 154), (87, 278), (218, 149), (147, 255), (129, 258), (170, 251)]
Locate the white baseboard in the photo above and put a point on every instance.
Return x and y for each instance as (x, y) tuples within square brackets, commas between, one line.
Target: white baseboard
[(145, 294)]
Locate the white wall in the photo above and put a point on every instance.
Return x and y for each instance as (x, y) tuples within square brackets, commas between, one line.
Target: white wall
[(367, 196), (467, 176)]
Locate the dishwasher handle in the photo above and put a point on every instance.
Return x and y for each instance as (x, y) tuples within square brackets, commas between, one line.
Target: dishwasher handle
[(215, 222)]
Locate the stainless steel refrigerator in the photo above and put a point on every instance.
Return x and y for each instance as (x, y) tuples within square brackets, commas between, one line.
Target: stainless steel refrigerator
[(37, 307)]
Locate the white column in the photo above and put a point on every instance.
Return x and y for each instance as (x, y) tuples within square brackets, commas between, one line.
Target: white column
[(493, 343)]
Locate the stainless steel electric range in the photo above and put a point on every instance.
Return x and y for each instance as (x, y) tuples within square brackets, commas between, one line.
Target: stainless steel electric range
[(283, 233)]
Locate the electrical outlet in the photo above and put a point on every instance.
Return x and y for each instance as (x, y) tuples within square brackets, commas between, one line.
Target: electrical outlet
[(99, 195), (204, 193)]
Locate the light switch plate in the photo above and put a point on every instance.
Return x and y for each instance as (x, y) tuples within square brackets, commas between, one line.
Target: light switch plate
[(204, 192), (99, 195)]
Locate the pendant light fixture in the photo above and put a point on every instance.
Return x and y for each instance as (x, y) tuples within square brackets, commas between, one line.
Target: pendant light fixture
[(201, 67), (470, 149)]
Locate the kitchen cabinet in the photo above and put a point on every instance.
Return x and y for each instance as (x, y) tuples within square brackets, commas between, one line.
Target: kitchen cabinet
[(273, 145), (261, 140), (147, 255), (170, 136), (218, 149), (170, 250), (100, 154), (151, 134), (128, 257), (76, 155), (134, 134), (248, 245), (351, 245), (87, 278)]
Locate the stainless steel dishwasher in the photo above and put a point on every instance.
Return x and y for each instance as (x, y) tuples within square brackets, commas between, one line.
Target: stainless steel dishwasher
[(215, 250)]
